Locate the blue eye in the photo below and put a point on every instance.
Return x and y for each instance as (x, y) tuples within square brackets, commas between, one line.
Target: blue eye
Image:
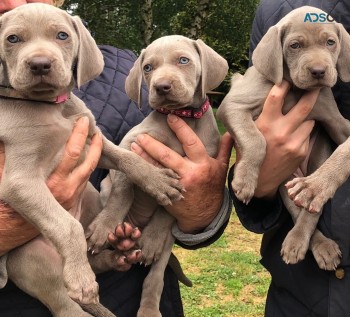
[(147, 68), (184, 60), (330, 42), (13, 39), (62, 36)]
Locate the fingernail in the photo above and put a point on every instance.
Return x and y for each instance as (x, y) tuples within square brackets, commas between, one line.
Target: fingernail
[(172, 118), (140, 137), (133, 146)]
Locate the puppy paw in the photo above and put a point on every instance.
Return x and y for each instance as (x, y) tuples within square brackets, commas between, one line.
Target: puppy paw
[(244, 183), (116, 260), (164, 186), (151, 244), (81, 284), (294, 247), (243, 192), (327, 254), (309, 192), (124, 237), (96, 235)]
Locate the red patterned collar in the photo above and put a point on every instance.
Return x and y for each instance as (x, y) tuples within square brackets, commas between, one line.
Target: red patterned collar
[(188, 112), (10, 93)]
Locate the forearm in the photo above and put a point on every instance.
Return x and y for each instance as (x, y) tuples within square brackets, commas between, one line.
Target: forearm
[(14, 229), (209, 234)]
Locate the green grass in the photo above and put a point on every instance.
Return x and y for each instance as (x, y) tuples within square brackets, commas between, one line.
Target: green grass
[(228, 279)]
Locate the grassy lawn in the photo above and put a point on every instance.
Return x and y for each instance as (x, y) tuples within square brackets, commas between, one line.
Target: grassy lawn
[(228, 280)]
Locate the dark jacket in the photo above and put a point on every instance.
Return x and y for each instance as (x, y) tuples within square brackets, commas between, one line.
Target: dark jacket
[(302, 289), (115, 114)]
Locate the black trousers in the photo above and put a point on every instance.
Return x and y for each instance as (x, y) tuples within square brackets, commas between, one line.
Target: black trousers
[(296, 290), (119, 291)]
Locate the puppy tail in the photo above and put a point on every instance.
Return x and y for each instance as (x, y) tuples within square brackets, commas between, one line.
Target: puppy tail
[(176, 267), (97, 310)]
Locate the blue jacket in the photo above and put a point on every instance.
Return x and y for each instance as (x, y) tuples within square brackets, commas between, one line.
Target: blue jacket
[(105, 96), (302, 289)]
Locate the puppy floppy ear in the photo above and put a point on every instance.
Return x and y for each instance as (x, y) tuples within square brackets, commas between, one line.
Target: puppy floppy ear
[(133, 81), (214, 67), (343, 63), (268, 55), (90, 59)]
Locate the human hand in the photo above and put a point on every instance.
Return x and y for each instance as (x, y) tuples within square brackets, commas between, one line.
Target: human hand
[(68, 180), (287, 137), (203, 177)]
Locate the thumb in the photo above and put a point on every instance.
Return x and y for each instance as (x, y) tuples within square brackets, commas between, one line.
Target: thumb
[(226, 144)]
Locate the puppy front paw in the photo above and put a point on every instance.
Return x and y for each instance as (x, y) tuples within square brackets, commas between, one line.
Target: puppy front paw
[(96, 234), (309, 192), (244, 182), (164, 186)]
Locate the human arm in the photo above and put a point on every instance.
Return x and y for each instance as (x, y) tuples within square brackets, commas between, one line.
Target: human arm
[(206, 199)]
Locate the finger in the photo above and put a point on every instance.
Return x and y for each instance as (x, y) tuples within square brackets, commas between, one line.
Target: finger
[(303, 108), (140, 152), (74, 146), (304, 130), (160, 152), (84, 170), (275, 99), (225, 148), (191, 143)]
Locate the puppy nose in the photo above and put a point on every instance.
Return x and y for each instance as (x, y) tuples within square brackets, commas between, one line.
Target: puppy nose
[(163, 87), (317, 72), (40, 65)]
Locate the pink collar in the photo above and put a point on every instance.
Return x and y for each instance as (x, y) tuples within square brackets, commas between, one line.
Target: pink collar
[(9, 92), (188, 112)]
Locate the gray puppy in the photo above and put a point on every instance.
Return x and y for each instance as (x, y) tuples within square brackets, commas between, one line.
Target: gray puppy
[(39, 58), (308, 55), (178, 72)]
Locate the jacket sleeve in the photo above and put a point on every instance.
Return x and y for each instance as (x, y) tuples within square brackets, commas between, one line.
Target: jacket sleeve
[(105, 96)]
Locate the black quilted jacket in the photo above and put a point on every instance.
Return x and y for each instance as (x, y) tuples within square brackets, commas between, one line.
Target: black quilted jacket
[(115, 115), (105, 96), (302, 289)]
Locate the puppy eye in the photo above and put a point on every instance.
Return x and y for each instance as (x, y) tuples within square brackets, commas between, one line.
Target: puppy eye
[(295, 45), (147, 68), (184, 60), (13, 39), (330, 42), (62, 36)]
